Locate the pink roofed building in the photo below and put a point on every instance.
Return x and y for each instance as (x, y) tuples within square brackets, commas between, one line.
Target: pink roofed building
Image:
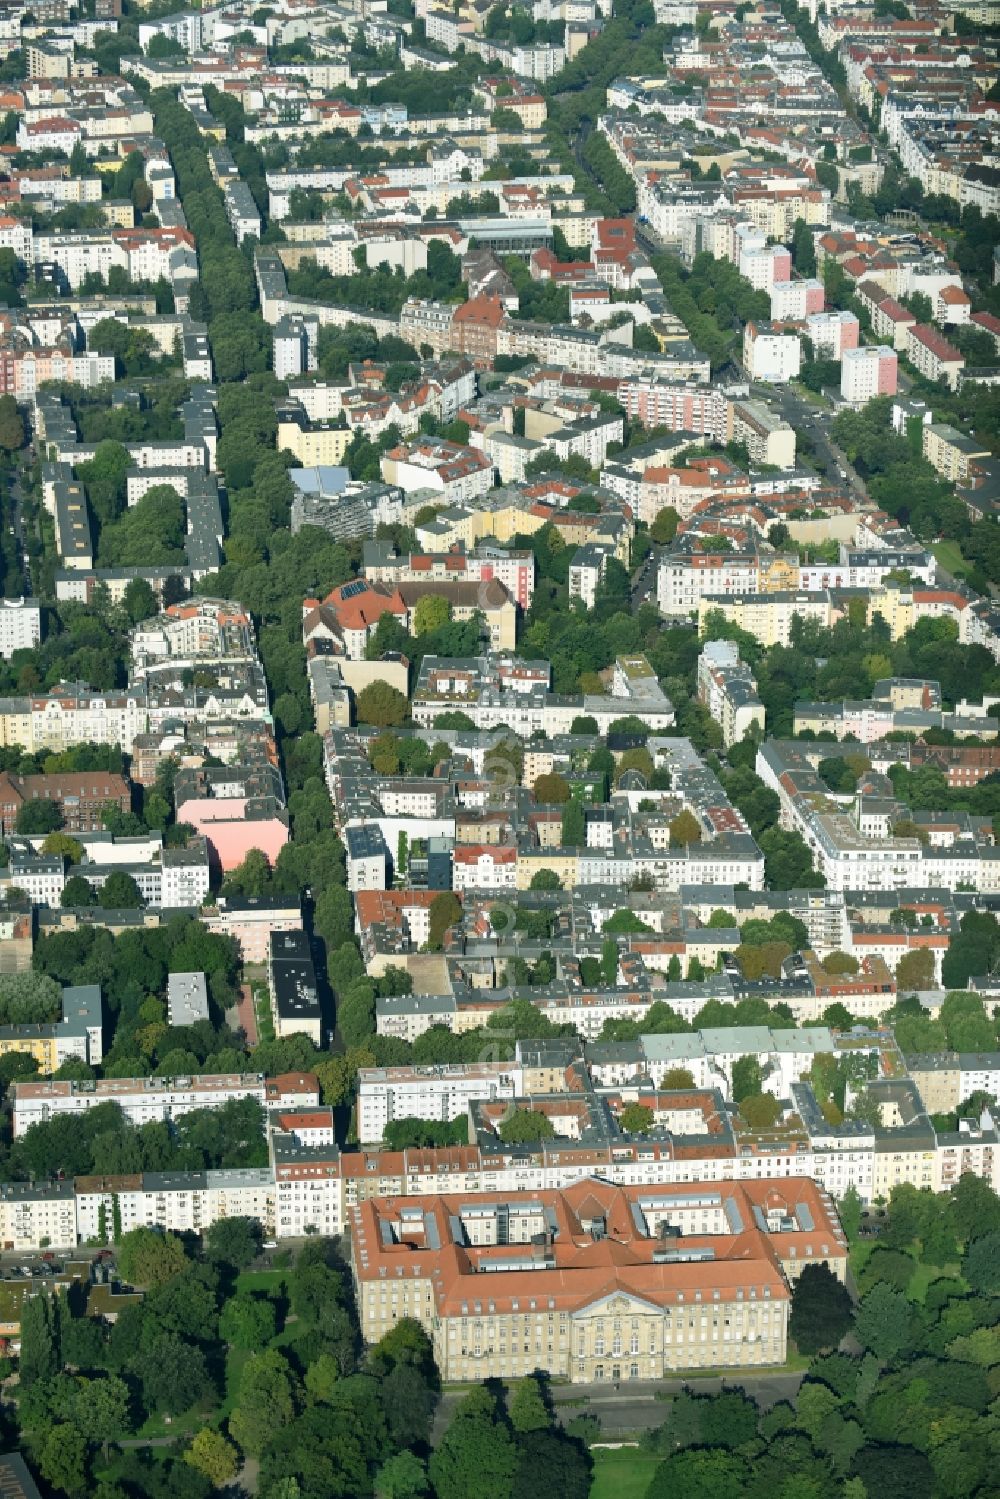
[(235, 808), (232, 826)]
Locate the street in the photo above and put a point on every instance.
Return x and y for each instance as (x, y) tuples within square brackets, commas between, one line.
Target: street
[(813, 423), (629, 1408), (13, 517), (644, 581)]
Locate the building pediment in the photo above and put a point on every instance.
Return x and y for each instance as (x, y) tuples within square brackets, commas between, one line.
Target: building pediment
[(617, 1303)]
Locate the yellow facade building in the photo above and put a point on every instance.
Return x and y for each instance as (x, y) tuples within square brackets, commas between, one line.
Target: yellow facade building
[(596, 1282)]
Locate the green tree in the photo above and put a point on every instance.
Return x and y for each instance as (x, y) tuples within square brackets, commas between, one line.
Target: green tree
[(545, 879), (803, 248), (121, 893), (38, 816), (528, 1408), (704, 1473), (234, 1241), (849, 1208), (760, 1110), (381, 705), (63, 845), (11, 425), (821, 1310), (747, 1078), (915, 972), (894, 1471), (432, 612), (40, 1355), (636, 1119), (684, 829), (445, 910), (248, 1322), (253, 876), (77, 892), (526, 1126), (211, 1454), (476, 1454), (551, 788), (402, 1477), (884, 1322), (574, 825), (62, 1460), (149, 1258), (664, 527), (266, 1401), (982, 1264), (550, 1462), (101, 1410)]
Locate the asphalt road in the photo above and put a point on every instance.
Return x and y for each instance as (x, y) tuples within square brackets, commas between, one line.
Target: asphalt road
[(815, 424), (17, 519), (644, 581), (638, 1407)]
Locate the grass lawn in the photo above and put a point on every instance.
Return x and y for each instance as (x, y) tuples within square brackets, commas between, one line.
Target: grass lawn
[(812, 396), (236, 1359), (264, 1282), (923, 1274), (949, 554), (184, 1425), (621, 1472)]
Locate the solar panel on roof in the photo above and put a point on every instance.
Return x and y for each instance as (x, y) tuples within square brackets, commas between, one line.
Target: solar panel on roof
[(350, 589)]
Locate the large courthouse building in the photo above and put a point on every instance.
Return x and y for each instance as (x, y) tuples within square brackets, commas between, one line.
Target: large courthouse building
[(597, 1281)]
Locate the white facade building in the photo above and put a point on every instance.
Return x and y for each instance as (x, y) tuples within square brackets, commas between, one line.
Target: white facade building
[(20, 625)]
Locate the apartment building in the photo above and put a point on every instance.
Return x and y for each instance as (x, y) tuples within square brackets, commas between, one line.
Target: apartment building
[(187, 998), (20, 625), (308, 1181), (769, 438), (484, 867), (831, 333), (197, 632), (79, 1033), (441, 1093), (514, 569), (37, 1213), (769, 354), (866, 373), (291, 981), (951, 452), (71, 714), (794, 301), (890, 320), (586, 571), (235, 808), (141, 1099), (931, 353), (250, 920), (854, 846), (448, 472), (768, 616), (727, 688), (683, 579), (496, 691), (294, 345), (174, 1201), (368, 861)]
